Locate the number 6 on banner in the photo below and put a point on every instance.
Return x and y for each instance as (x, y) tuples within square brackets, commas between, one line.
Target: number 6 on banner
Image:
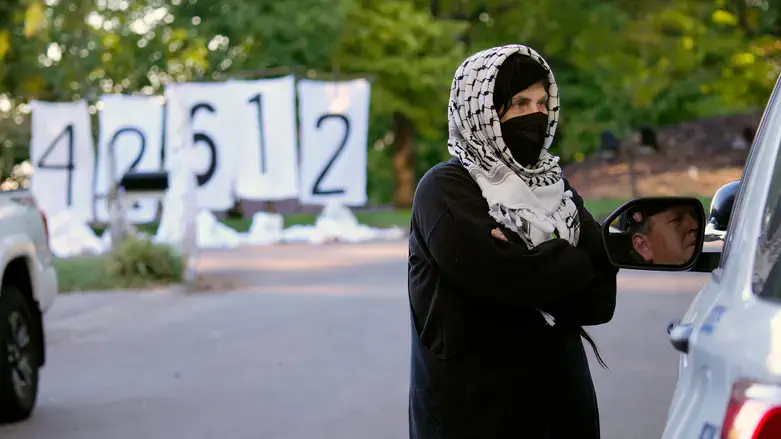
[(334, 130), (200, 118), (63, 157), (200, 137)]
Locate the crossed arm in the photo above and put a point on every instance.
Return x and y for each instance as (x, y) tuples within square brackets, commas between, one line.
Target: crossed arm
[(575, 284)]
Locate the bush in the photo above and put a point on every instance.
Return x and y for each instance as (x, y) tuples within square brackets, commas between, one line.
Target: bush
[(141, 259)]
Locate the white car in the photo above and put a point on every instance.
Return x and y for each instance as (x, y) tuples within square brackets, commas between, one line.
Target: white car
[(28, 287), (729, 383)]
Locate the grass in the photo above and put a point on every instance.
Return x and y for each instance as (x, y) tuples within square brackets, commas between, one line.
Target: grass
[(91, 273), (82, 273), (599, 208), (378, 218), (137, 264)]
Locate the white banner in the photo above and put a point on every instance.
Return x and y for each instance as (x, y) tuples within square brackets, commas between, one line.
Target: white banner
[(334, 120), (265, 125), (62, 153), (199, 116), (133, 126)]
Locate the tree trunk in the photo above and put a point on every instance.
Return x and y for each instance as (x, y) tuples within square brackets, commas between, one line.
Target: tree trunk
[(633, 175), (629, 152), (433, 7), (403, 160)]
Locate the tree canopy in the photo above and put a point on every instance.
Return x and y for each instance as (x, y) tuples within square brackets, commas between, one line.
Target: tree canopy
[(620, 64)]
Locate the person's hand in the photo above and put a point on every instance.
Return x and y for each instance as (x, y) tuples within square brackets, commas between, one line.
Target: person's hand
[(498, 234)]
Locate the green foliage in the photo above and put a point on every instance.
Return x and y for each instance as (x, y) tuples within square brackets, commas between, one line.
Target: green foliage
[(620, 63), (411, 55), (141, 258)]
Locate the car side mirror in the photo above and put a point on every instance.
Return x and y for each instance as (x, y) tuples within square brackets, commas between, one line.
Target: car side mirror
[(655, 233), (720, 211)]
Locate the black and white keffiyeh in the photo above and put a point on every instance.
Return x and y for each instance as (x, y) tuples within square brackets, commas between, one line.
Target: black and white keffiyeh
[(531, 202)]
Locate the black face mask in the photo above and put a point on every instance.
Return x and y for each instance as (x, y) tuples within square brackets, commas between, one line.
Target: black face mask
[(525, 136)]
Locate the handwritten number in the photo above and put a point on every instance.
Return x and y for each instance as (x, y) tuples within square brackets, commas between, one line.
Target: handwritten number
[(201, 137), (257, 100), (141, 137), (141, 150), (68, 131), (317, 189)]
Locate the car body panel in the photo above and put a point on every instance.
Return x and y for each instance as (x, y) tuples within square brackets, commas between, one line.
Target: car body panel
[(736, 335), (23, 236)]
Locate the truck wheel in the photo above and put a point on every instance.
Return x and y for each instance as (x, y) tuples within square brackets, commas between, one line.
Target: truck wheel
[(18, 357)]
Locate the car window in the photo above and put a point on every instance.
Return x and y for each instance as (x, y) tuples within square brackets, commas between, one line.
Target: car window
[(766, 279), (734, 217), (763, 136)]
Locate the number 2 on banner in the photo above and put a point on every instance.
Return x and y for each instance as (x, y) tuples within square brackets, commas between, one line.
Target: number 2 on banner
[(257, 99), (141, 150), (316, 189), (68, 131)]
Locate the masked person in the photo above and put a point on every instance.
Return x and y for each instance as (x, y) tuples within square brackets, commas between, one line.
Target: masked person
[(505, 267), (663, 234)]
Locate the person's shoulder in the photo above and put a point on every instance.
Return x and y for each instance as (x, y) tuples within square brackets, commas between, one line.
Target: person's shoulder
[(445, 175), (576, 197), (444, 184), (568, 186), (448, 168)]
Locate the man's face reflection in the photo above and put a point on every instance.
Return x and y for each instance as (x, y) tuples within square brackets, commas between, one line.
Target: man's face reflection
[(671, 237)]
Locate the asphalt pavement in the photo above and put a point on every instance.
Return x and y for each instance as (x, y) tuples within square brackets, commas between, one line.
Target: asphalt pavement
[(309, 342)]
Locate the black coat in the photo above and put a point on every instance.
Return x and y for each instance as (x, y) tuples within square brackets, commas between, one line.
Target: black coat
[(484, 362)]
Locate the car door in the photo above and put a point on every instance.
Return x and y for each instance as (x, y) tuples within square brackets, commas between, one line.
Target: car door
[(711, 325)]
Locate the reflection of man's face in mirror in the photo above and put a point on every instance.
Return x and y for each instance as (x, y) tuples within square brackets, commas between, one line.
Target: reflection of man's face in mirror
[(667, 237)]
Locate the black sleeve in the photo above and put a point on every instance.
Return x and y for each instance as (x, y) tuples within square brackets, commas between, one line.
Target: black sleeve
[(460, 243), (596, 303)]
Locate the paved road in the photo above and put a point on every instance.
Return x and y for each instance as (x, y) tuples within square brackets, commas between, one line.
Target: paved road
[(312, 342)]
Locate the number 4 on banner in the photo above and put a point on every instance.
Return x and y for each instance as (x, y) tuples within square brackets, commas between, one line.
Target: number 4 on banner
[(67, 133), (334, 128), (63, 158)]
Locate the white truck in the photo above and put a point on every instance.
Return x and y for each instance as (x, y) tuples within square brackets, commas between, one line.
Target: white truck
[(28, 287)]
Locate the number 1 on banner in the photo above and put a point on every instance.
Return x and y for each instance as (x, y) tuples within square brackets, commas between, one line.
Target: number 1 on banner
[(257, 100), (68, 131), (265, 139)]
